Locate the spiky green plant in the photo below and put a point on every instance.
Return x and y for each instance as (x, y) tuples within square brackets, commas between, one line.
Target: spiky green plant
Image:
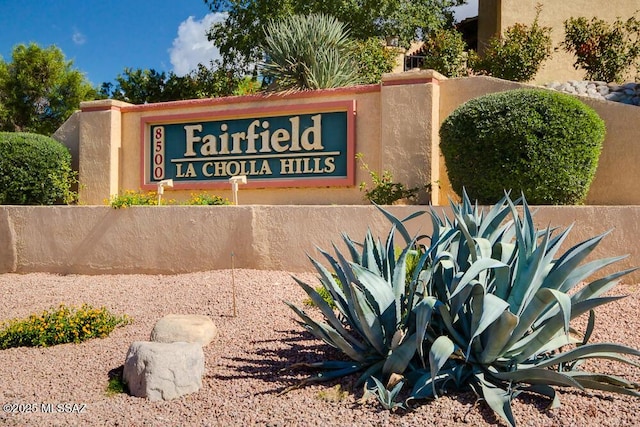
[(309, 52), (488, 308)]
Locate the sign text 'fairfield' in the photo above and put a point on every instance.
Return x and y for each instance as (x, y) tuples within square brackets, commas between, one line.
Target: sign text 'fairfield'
[(311, 149)]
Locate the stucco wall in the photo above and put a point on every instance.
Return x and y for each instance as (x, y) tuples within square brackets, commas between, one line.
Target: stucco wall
[(175, 239), (393, 130), (495, 16)]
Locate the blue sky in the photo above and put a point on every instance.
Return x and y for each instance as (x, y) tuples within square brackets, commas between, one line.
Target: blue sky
[(103, 37)]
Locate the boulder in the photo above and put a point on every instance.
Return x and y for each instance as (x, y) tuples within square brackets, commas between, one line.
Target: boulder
[(185, 328), (163, 371)]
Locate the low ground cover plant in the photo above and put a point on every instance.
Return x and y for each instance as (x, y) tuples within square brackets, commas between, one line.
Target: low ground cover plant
[(488, 308), (150, 198), (60, 326)]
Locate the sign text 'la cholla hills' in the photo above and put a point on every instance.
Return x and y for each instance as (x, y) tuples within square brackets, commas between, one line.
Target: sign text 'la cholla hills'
[(255, 151)]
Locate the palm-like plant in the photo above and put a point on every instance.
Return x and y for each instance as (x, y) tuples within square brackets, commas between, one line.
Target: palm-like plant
[(309, 52), (489, 307)]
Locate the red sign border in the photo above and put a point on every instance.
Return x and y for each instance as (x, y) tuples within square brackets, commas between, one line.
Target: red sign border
[(349, 106)]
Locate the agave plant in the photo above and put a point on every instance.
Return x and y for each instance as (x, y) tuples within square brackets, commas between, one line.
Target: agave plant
[(309, 52), (488, 308)]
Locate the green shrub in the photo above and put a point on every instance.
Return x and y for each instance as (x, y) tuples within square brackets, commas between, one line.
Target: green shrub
[(150, 198), (133, 198), (207, 199), (385, 191), (60, 326), (488, 308), (374, 59), (516, 56), (542, 143), (34, 170), (309, 52), (606, 52), (444, 51)]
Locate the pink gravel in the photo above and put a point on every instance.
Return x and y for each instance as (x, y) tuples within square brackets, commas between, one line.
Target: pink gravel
[(246, 365)]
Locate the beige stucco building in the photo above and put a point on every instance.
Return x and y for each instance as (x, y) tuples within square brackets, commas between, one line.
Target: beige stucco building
[(494, 16)]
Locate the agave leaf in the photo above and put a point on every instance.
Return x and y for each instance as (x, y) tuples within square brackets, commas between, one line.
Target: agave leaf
[(380, 296), (445, 316), (369, 254), (474, 270), (568, 262), (423, 388), (398, 282), (588, 351), (329, 335), (496, 215), (491, 308), (441, 349), (340, 298), (387, 398), (545, 390), (498, 399), (541, 302), (328, 313), (390, 255), (555, 324), (468, 239), (600, 286), (604, 382), (369, 323), (423, 312), (591, 324), (581, 273), (528, 277), (372, 371), (399, 223), (353, 250), (498, 333), (399, 358), (537, 376), (345, 305)]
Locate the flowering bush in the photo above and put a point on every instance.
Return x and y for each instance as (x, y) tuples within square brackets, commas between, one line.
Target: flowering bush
[(150, 198), (60, 326)]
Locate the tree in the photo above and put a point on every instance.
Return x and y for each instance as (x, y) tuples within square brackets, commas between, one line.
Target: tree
[(39, 90), (146, 86), (240, 36)]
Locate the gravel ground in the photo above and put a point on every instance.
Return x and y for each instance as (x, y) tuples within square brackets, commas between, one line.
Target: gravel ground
[(246, 365)]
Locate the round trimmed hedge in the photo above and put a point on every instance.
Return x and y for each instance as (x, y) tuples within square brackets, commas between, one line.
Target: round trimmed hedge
[(34, 170), (544, 144)]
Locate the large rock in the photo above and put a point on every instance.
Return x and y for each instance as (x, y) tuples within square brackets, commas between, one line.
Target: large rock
[(185, 328), (163, 371)]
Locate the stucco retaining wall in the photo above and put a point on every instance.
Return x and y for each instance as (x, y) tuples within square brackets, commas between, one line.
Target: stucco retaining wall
[(176, 239)]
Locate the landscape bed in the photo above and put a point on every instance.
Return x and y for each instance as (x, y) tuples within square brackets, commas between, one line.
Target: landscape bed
[(246, 365)]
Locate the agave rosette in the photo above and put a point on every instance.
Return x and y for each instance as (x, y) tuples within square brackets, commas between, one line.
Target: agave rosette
[(489, 306)]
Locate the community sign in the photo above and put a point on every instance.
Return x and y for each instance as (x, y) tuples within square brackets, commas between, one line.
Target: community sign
[(312, 145)]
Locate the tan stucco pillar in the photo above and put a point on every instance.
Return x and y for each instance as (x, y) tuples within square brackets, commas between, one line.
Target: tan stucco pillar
[(99, 150), (409, 110)]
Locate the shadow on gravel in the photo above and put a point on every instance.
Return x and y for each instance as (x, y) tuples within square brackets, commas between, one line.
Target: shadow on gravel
[(270, 360)]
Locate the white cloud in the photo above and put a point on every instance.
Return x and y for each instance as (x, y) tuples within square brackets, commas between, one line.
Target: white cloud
[(78, 38), (191, 47)]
